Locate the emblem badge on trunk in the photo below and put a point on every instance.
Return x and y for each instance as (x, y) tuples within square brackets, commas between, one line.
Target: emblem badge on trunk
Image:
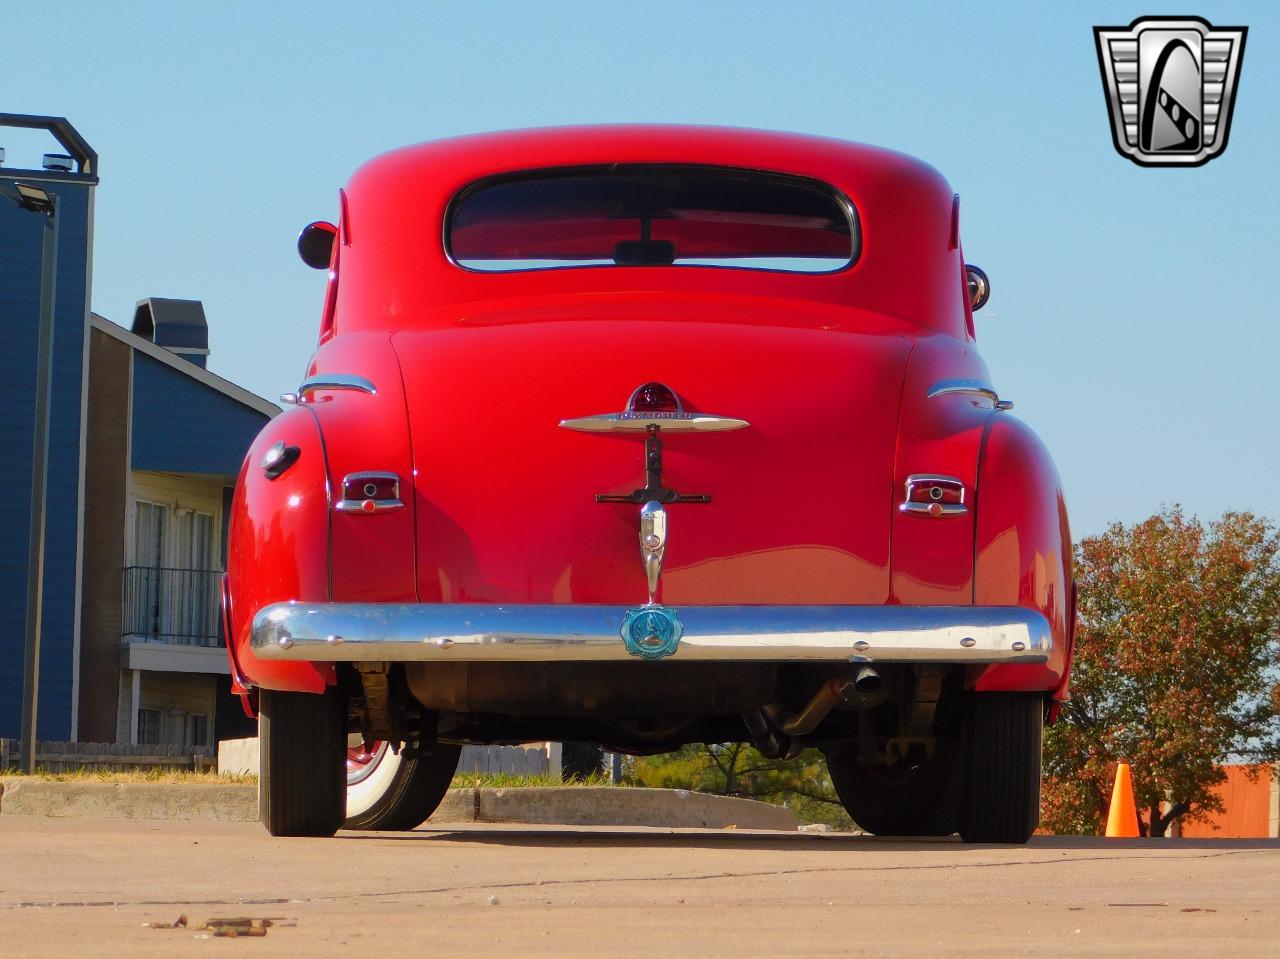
[(652, 631)]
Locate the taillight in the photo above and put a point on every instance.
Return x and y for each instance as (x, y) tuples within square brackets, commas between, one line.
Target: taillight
[(653, 398), (370, 493), (935, 496)]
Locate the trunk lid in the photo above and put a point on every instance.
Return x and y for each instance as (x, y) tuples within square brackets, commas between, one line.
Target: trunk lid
[(801, 499)]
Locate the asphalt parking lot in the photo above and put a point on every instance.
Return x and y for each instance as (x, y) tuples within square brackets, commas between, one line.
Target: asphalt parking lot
[(86, 887)]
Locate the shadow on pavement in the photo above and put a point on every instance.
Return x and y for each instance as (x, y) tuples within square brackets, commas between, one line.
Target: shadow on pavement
[(605, 837)]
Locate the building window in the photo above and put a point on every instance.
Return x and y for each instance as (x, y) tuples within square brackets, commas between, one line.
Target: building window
[(195, 587), (197, 731), (144, 607), (171, 592), (149, 722)]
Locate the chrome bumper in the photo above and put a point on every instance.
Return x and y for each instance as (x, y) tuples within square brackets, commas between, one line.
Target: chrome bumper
[(445, 632)]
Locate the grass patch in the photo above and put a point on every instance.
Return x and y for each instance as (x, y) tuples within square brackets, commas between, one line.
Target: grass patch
[(509, 780), (88, 774)]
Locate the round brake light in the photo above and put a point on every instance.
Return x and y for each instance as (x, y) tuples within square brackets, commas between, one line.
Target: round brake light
[(654, 398)]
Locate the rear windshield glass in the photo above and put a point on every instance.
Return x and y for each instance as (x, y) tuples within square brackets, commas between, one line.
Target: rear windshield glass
[(652, 216)]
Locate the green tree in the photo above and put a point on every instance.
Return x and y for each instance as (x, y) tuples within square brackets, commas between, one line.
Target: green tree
[(1175, 668), (737, 769)]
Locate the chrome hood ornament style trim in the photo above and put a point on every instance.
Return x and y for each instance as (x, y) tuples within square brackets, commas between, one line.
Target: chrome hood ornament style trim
[(668, 412), (639, 422), (653, 542), (653, 631)]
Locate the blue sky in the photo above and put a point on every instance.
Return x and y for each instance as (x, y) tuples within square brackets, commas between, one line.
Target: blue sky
[(1133, 318)]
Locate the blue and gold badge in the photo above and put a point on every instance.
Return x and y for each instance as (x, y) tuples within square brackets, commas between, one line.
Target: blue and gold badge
[(652, 631)]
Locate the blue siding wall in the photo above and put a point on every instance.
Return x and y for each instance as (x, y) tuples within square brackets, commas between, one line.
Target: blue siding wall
[(20, 255), (181, 426)]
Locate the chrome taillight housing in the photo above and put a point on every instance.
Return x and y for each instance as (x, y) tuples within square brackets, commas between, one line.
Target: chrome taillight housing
[(371, 492), (935, 496)]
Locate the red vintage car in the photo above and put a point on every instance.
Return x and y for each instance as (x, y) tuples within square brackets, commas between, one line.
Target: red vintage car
[(643, 436)]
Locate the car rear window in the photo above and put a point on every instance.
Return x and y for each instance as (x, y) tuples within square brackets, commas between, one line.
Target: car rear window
[(653, 215)]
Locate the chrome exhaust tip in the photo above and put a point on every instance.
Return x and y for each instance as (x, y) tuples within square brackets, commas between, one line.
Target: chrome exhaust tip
[(867, 680)]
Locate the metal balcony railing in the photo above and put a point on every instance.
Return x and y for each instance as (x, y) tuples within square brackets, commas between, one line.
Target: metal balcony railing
[(178, 606)]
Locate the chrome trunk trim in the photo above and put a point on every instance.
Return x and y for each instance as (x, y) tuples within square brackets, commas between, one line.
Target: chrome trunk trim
[(456, 632), (653, 542), (640, 422)]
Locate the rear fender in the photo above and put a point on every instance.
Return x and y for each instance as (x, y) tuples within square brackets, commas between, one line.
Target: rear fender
[(278, 549), (1023, 551), (373, 556), (932, 557)]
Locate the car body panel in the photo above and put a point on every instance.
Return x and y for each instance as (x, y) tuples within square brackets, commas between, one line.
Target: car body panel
[(1023, 550), (933, 557), (396, 275), (278, 547), (474, 372), (507, 509)]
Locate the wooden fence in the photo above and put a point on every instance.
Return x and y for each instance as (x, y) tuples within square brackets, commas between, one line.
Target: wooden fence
[(521, 760), (55, 756), (1251, 806)]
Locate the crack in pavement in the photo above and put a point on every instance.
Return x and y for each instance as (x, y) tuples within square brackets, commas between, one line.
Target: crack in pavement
[(543, 883)]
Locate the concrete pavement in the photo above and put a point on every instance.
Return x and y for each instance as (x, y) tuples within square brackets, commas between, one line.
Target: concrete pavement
[(86, 887)]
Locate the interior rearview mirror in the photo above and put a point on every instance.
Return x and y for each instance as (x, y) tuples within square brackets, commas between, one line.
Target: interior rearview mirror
[(315, 244)]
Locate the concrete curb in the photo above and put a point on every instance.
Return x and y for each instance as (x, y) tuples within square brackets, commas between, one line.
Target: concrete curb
[(568, 806), (62, 800), (611, 806)]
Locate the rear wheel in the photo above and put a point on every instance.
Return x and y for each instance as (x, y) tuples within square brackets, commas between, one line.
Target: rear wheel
[(388, 790), (913, 798), (302, 737), (1002, 740)]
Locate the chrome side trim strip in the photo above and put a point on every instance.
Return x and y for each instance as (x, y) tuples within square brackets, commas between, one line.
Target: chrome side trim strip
[(969, 388), (640, 422), (336, 381), (457, 632)]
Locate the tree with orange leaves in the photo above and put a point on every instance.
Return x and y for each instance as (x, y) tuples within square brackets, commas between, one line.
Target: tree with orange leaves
[(1175, 668)]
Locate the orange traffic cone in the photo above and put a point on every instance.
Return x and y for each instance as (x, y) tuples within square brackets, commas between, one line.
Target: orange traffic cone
[(1122, 819)]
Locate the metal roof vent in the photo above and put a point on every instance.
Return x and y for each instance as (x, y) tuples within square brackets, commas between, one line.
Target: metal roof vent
[(177, 325), (59, 162)]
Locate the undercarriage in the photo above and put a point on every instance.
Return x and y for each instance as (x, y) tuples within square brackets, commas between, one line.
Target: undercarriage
[(887, 712)]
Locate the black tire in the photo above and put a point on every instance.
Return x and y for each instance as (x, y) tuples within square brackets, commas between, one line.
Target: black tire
[(1002, 742), (412, 792), (302, 785), (905, 799)]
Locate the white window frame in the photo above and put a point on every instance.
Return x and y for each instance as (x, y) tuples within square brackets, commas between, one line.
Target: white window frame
[(176, 494)]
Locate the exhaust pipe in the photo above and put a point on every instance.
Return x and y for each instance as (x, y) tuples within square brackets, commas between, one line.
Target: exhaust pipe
[(867, 680)]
